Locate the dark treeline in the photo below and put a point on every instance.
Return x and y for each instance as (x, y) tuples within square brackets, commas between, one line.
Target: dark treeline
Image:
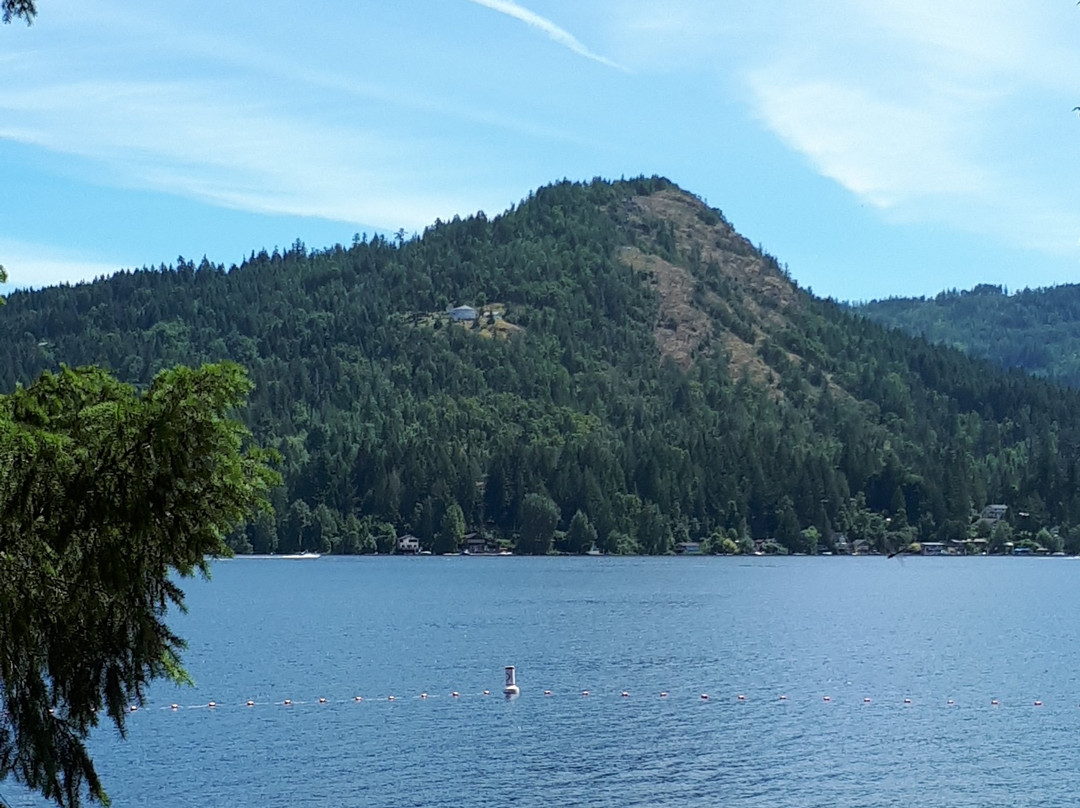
[(1037, 330), (575, 429)]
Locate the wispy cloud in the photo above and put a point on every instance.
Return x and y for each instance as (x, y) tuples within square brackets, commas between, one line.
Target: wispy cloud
[(246, 135), (559, 35), (927, 114), (886, 151), (208, 143)]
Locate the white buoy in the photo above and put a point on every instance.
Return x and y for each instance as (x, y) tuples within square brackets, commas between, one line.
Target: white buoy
[(511, 688)]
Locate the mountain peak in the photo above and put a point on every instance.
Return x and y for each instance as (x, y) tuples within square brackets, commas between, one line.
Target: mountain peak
[(667, 381)]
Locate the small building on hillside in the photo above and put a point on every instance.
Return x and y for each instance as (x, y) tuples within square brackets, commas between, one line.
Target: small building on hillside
[(993, 513), (408, 544), (464, 314)]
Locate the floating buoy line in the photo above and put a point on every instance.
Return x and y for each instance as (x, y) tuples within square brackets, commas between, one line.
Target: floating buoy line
[(511, 691), (583, 694)]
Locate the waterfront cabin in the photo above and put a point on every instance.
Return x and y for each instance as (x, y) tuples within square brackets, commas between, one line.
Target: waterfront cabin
[(475, 544), (688, 547), (408, 544)]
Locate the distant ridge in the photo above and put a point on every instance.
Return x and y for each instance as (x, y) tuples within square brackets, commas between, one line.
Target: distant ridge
[(1036, 330)]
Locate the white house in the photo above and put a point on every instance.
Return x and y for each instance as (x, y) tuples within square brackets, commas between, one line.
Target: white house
[(463, 314)]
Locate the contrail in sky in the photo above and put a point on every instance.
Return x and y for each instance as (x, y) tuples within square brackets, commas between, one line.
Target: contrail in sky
[(560, 35)]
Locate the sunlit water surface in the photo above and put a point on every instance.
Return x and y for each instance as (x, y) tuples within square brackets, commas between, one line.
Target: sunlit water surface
[(850, 629)]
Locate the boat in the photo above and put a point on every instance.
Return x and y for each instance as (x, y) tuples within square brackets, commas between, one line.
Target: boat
[(593, 551), (304, 556)]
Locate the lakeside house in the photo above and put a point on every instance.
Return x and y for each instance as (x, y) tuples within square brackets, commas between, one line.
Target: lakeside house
[(408, 544), (769, 546), (475, 544), (688, 547)]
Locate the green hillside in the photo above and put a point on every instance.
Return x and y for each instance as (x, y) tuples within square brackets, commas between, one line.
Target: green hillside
[(639, 373), (1037, 330)]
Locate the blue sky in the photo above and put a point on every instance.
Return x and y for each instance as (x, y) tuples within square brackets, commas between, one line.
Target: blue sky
[(893, 147)]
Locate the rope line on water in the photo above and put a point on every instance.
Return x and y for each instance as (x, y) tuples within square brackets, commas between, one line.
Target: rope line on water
[(512, 691), (622, 695)]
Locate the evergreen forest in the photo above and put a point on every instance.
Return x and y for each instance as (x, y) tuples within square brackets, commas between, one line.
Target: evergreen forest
[(630, 373)]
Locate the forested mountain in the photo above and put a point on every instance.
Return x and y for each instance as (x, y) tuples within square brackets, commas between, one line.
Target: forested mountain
[(639, 374), (1037, 330)]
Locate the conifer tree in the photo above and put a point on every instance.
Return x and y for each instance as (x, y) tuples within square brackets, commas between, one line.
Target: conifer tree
[(106, 494)]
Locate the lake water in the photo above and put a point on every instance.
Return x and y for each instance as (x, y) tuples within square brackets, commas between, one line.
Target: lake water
[(927, 630)]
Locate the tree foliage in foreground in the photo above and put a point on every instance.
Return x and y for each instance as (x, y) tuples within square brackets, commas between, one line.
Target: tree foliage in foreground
[(18, 9), (105, 494)]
